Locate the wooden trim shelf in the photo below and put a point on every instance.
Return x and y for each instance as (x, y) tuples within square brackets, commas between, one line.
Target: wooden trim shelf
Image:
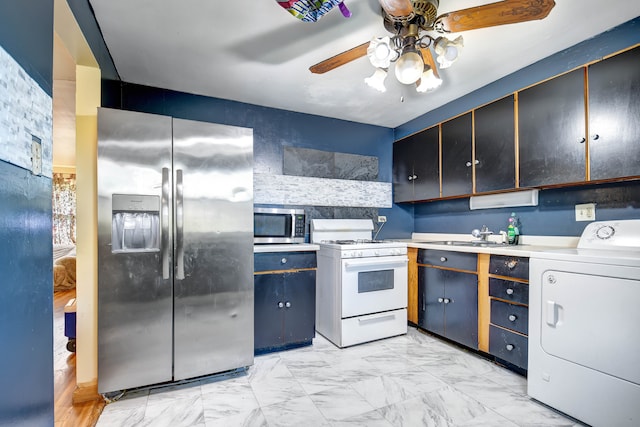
[(295, 270)]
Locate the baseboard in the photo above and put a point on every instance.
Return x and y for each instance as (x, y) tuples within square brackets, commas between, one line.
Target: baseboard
[(86, 392)]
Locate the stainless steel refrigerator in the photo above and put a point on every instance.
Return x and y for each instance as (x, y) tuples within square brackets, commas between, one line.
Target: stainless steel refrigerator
[(175, 249)]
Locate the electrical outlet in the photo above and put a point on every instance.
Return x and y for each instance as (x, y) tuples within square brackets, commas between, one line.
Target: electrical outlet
[(586, 212), (381, 219)]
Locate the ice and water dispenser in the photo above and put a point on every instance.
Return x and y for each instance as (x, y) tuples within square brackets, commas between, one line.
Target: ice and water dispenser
[(135, 223)]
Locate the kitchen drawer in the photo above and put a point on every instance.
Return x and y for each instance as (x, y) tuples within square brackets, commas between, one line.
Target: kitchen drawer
[(356, 330), (509, 290), (450, 259), (508, 346), (509, 266), (510, 316), (274, 261)]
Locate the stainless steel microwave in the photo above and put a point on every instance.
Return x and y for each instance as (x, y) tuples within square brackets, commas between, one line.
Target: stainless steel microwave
[(277, 225)]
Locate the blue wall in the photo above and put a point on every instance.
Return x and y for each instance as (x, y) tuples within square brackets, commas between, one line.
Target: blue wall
[(555, 214), (26, 297)]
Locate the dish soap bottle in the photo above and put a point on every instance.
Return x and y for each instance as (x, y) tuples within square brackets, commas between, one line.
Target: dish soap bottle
[(513, 230)]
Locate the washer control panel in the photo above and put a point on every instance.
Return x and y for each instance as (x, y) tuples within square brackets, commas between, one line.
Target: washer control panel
[(611, 235)]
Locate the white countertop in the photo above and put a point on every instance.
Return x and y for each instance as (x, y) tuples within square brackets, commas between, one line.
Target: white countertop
[(528, 245), (293, 247)]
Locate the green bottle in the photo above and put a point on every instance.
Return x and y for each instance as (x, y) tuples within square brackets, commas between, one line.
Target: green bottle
[(512, 229)]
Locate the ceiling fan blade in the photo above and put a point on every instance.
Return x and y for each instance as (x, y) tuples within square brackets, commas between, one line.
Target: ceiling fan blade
[(493, 14), (427, 57), (340, 59), (397, 8)]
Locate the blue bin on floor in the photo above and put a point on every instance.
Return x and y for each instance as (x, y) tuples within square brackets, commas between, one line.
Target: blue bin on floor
[(70, 324)]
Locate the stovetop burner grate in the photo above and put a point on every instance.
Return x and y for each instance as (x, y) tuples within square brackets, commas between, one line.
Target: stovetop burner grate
[(352, 242)]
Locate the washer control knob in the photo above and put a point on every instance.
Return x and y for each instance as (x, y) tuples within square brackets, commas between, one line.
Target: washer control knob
[(605, 232)]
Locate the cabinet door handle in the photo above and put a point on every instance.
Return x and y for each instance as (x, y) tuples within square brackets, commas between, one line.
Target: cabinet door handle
[(468, 164), (415, 177), (510, 347), (410, 178), (447, 300), (477, 162), (440, 300), (512, 317), (509, 291), (595, 137), (287, 304), (582, 140), (280, 304)]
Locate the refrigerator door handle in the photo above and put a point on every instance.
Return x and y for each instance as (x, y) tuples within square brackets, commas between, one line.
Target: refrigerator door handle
[(179, 225), (164, 223)]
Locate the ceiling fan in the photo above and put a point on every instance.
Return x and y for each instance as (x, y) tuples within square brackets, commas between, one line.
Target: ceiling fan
[(417, 28)]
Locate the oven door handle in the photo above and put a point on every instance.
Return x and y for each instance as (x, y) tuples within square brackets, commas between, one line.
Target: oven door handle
[(375, 262)]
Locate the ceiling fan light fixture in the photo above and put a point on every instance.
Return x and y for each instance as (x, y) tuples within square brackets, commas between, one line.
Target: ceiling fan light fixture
[(448, 51), (409, 67), (380, 52), (428, 82), (376, 81)]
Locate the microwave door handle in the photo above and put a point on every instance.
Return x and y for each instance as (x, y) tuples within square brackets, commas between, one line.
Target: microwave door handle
[(179, 225), (164, 223), (374, 262)]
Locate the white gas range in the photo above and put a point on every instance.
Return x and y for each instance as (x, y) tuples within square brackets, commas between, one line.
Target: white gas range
[(361, 289)]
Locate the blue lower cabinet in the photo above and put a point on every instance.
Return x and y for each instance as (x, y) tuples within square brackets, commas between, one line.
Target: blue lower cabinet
[(285, 309)]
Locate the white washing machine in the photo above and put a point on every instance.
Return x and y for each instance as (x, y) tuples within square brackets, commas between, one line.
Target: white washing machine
[(584, 326)]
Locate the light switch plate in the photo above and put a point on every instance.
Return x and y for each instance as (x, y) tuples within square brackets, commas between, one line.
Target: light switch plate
[(586, 212), (36, 155)]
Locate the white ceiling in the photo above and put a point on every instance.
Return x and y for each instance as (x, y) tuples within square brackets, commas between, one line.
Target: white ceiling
[(253, 51)]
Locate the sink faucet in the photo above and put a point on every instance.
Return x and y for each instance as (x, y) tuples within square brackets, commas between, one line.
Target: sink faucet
[(482, 234)]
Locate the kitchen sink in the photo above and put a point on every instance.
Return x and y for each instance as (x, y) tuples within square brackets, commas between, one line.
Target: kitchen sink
[(470, 243)]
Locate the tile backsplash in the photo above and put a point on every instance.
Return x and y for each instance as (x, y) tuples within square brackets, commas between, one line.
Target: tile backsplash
[(26, 111)]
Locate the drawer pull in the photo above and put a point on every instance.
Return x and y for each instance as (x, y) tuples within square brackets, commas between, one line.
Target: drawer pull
[(511, 264), (283, 261), (280, 304), (509, 291), (512, 317), (510, 347), (287, 304), (443, 259)]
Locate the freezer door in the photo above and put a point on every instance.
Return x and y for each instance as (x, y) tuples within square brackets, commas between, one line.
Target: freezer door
[(213, 304), (135, 297)]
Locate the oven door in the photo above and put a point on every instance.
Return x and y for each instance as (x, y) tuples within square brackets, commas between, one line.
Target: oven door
[(374, 284)]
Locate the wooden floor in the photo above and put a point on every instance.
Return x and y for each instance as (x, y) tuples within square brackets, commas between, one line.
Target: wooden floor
[(64, 375)]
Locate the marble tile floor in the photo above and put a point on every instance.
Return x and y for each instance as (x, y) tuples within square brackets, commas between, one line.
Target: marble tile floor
[(410, 380)]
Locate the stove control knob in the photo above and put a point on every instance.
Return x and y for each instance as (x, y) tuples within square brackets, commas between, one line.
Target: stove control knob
[(605, 232)]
